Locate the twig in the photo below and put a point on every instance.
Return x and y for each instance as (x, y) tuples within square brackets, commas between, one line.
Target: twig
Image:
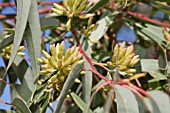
[(141, 16)]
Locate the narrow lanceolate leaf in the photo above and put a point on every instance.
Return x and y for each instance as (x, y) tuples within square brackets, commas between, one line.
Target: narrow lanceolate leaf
[(23, 7), (1, 36), (80, 103), (21, 105), (6, 42), (98, 5), (158, 103), (25, 76), (126, 101), (23, 91), (49, 23), (34, 39), (7, 111), (2, 77), (87, 78), (67, 85)]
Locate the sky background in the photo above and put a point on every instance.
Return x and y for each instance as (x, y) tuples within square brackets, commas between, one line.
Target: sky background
[(125, 33)]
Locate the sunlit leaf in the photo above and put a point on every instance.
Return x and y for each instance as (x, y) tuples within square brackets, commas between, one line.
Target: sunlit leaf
[(23, 7), (67, 85), (21, 105), (80, 103), (87, 78), (33, 37), (126, 101)]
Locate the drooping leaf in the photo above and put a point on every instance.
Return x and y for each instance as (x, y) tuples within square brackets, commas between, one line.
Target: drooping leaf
[(98, 5), (25, 75), (21, 105), (161, 100), (158, 75), (48, 23), (80, 103), (23, 7), (2, 84), (1, 36), (148, 65), (126, 101), (67, 85), (87, 78), (23, 91), (160, 6), (7, 111), (33, 37), (6, 42), (152, 32)]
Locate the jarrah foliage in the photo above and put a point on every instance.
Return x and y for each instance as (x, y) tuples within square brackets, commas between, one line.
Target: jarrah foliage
[(98, 72)]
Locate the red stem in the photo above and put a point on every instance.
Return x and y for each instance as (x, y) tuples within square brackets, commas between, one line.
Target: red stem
[(143, 17), (98, 74), (13, 3), (3, 101), (87, 58)]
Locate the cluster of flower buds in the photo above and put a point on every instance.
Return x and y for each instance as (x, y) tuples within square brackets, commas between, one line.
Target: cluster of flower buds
[(90, 27), (6, 52), (124, 58), (72, 8), (60, 62), (166, 35)]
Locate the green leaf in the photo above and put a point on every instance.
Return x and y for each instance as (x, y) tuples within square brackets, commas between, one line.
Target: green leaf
[(23, 7), (1, 36), (34, 38), (23, 91), (67, 85), (7, 111), (87, 78), (98, 5), (101, 29), (26, 75), (80, 103), (152, 32), (48, 23), (126, 101), (2, 84), (158, 75), (6, 42), (162, 100), (148, 65), (21, 105), (161, 7)]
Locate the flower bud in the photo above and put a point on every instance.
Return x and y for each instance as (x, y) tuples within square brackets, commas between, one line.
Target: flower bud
[(90, 21), (84, 16), (58, 7), (166, 35), (116, 49), (129, 50), (57, 11), (68, 25), (46, 54), (40, 60), (21, 54), (122, 68), (122, 46), (21, 48)]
